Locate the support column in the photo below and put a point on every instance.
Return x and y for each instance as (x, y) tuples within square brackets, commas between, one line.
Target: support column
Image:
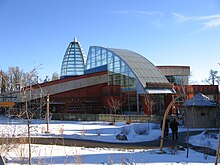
[(138, 107)]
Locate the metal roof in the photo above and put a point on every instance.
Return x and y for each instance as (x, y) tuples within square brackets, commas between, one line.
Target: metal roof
[(200, 100), (141, 67)]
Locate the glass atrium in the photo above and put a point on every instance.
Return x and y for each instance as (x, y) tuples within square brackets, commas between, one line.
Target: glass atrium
[(73, 61), (126, 68)]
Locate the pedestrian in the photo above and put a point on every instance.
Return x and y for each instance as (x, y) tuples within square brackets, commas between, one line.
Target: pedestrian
[(166, 131), (177, 112), (174, 127)]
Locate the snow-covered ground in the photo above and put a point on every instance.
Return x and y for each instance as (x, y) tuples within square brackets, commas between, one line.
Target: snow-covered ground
[(100, 131)]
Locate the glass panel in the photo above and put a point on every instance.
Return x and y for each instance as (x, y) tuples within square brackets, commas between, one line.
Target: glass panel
[(93, 65), (93, 59), (92, 49), (110, 57), (116, 82), (111, 66), (104, 54), (98, 63), (116, 59), (110, 77), (117, 70), (98, 57)]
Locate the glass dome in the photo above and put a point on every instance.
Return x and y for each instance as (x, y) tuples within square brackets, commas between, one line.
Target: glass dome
[(73, 61)]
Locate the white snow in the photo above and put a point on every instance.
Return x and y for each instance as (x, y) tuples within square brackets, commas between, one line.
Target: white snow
[(205, 140), (99, 131)]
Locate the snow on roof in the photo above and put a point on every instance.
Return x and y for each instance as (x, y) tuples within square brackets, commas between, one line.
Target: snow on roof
[(201, 100)]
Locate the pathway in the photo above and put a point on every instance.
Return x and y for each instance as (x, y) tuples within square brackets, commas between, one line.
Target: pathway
[(140, 145)]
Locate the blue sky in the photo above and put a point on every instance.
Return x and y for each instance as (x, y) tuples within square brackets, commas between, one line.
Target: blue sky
[(171, 32)]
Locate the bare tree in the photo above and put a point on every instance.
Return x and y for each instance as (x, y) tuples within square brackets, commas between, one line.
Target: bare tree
[(14, 79), (114, 105), (149, 103), (28, 109), (27, 93), (55, 76), (213, 78), (2, 82)]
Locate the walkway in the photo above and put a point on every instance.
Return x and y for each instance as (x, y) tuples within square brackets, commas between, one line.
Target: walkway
[(141, 145)]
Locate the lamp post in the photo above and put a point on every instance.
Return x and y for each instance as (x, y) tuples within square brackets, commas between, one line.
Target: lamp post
[(48, 113)]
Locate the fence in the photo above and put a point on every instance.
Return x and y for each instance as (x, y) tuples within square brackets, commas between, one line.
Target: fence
[(107, 117)]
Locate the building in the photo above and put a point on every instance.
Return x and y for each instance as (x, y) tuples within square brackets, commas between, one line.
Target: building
[(177, 75), (143, 87), (201, 112), (109, 76), (111, 79), (186, 92)]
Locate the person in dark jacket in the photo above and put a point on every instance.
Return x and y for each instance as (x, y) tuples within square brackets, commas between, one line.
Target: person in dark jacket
[(174, 127), (166, 131)]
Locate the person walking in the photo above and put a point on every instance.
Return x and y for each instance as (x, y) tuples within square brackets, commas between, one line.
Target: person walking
[(174, 127)]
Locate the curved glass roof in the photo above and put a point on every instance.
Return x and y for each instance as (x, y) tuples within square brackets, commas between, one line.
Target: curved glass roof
[(142, 68), (125, 68), (73, 60)]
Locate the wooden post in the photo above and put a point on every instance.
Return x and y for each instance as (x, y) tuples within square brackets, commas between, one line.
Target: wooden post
[(2, 162), (48, 112), (218, 150), (164, 120)]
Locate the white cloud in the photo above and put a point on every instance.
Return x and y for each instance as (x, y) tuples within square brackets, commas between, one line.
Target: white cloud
[(155, 15), (212, 23), (208, 22), (140, 12), (181, 18), (209, 17)]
